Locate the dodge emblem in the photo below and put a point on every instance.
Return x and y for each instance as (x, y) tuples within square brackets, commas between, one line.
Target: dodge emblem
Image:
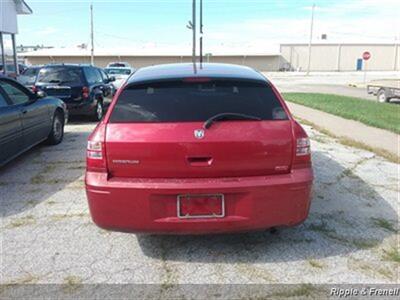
[(199, 133)]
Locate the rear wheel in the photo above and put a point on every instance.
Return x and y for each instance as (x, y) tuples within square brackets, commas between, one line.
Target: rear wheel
[(382, 97), (99, 111), (57, 130)]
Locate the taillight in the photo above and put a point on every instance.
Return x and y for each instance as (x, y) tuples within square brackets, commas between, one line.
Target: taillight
[(85, 92), (303, 146), (96, 152), (34, 89), (302, 155)]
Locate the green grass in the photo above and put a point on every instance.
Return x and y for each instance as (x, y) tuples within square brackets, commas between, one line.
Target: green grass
[(379, 222), (380, 115), (392, 255)]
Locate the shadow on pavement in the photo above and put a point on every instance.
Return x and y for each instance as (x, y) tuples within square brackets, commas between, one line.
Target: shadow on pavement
[(41, 172)]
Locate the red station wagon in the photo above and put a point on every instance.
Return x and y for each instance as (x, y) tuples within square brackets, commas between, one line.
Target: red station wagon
[(190, 149)]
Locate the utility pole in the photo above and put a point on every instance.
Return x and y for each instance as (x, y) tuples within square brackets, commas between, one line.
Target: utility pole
[(3, 55), (201, 31), (309, 44), (91, 36), (194, 31)]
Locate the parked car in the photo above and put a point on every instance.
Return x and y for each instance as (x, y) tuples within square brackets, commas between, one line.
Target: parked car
[(85, 89), (119, 64), (10, 69), (26, 119), (29, 76), (120, 75), (109, 80), (190, 150)]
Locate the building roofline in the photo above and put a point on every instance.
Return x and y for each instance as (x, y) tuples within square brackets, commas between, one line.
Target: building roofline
[(23, 8), (31, 54), (71, 52), (344, 44)]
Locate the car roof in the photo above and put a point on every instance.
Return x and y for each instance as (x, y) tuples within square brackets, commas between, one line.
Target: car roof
[(119, 68), (185, 70), (68, 65), (5, 77), (36, 66)]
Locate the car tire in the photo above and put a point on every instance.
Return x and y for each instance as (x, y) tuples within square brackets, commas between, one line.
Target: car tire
[(99, 111), (57, 129), (382, 97)]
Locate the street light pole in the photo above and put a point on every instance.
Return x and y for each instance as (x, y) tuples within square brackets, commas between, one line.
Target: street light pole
[(311, 34), (91, 36)]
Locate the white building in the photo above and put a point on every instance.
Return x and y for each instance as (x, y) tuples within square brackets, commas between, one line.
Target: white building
[(287, 57), (268, 59), (9, 9), (342, 56)]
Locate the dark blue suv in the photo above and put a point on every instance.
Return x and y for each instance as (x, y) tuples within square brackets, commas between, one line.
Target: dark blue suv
[(85, 89)]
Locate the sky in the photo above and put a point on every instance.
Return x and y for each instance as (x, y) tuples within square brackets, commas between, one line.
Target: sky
[(227, 23)]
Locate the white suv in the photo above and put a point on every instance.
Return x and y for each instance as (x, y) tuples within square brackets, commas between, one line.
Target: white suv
[(118, 64)]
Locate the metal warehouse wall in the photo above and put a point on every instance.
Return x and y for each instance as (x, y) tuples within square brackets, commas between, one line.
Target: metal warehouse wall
[(262, 62), (341, 57)]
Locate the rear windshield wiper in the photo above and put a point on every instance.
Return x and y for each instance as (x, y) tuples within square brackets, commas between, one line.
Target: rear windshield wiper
[(228, 116)]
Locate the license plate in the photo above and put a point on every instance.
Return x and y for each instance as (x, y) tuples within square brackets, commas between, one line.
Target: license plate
[(200, 206)]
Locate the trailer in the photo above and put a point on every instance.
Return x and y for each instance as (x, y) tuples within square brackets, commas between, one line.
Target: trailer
[(384, 90)]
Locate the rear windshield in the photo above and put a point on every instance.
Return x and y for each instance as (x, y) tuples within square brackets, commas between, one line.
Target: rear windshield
[(60, 75), (118, 71), (117, 65), (180, 101), (31, 72)]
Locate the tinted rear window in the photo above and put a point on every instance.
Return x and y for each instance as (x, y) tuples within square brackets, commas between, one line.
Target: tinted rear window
[(180, 101), (60, 75), (117, 65), (118, 71), (31, 72)]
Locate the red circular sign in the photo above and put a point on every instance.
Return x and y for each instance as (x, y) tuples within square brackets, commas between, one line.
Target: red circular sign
[(366, 55)]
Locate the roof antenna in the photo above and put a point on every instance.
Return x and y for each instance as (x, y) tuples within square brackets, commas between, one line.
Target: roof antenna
[(201, 32)]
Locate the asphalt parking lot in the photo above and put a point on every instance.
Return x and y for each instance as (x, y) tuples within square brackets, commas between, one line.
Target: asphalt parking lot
[(351, 235)]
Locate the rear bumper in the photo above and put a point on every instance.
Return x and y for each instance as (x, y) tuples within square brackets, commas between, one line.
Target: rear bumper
[(150, 206)]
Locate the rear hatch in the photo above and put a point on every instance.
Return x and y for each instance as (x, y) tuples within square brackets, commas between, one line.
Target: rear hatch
[(64, 82), (156, 131)]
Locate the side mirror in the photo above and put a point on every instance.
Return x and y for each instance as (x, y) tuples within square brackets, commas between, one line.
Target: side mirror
[(41, 94), (111, 79)]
